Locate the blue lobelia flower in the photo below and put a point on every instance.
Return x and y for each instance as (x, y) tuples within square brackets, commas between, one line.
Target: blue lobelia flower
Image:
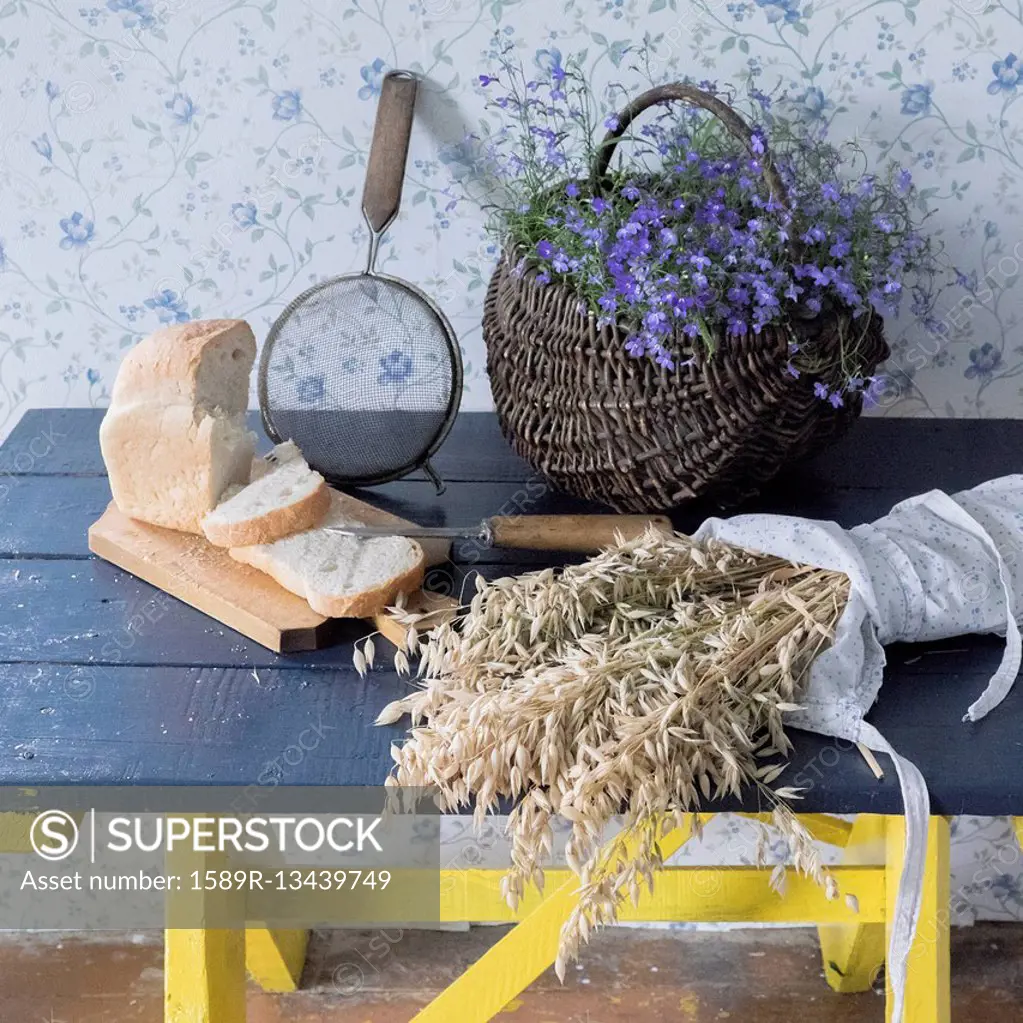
[(170, 308), (983, 361), (42, 146), (92, 376), (181, 108), (287, 105), (916, 100), (135, 13), (1008, 74), (78, 231), (373, 76), (311, 390), (244, 213), (786, 11), (395, 368)]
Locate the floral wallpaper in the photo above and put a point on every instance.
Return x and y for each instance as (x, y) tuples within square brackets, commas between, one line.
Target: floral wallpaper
[(162, 160)]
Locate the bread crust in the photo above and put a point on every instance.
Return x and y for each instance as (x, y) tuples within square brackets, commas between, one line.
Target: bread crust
[(272, 525), (358, 605), (166, 364)]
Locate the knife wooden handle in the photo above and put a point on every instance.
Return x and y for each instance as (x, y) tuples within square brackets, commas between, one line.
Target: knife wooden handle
[(585, 534)]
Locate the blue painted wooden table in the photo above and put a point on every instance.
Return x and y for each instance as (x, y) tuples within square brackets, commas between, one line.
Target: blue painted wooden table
[(105, 680)]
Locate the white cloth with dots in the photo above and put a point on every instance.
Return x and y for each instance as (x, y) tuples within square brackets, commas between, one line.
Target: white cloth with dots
[(936, 566)]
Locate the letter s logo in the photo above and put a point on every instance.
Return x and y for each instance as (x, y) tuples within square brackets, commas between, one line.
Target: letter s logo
[(54, 835)]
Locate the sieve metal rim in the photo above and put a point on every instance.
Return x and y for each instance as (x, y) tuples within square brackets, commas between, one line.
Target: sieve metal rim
[(454, 397)]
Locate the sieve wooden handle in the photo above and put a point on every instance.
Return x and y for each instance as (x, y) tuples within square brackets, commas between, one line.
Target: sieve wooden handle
[(385, 169), (585, 534)]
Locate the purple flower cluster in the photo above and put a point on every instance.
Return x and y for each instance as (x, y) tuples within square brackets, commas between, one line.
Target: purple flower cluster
[(690, 246)]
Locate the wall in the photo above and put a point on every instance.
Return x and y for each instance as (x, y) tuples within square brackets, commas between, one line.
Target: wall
[(171, 159)]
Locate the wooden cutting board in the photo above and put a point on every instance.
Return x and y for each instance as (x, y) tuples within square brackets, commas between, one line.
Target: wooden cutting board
[(241, 597)]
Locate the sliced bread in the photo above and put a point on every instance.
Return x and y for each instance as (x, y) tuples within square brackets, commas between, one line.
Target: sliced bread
[(287, 498), (340, 576), (174, 438)]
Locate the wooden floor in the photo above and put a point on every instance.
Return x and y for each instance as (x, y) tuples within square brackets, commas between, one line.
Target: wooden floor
[(629, 977)]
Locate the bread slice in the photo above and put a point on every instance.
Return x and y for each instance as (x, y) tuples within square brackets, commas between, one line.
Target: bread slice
[(174, 438), (288, 498), (341, 576)]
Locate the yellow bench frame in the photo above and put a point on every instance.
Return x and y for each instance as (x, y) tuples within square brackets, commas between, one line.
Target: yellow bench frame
[(205, 970)]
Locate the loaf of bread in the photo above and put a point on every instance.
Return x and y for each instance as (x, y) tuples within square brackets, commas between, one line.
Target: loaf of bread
[(178, 455), (174, 438)]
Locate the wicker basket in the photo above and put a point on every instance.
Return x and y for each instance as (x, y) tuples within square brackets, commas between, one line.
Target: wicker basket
[(623, 431)]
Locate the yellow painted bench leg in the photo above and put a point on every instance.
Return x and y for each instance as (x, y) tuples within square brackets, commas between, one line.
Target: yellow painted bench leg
[(204, 976), (203, 967), (928, 984), (275, 958), (853, 956), (511, 965)]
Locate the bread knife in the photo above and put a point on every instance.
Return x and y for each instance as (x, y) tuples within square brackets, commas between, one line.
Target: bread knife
[(581, 533)]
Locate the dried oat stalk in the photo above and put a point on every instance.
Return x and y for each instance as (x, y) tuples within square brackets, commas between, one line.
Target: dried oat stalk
[(646, 682)]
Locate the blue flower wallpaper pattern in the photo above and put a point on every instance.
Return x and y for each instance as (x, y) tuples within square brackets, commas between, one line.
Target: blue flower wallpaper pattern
[(164, 160)]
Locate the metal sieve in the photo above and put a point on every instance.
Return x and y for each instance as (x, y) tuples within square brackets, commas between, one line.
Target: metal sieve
[(363, 371)]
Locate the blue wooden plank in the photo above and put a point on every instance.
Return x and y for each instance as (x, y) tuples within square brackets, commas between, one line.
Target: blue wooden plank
[(120, 725), (286, 725), (56, 441), (91, 612), (49, 516), (908, 455)]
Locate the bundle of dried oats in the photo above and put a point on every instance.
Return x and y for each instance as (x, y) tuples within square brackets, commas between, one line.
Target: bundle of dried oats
[(640, 683)]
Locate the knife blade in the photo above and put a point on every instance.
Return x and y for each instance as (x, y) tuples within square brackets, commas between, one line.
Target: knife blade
[(477, 532)]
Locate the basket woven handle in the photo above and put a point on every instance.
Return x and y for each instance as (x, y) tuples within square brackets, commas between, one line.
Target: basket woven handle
[(697, 98)]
